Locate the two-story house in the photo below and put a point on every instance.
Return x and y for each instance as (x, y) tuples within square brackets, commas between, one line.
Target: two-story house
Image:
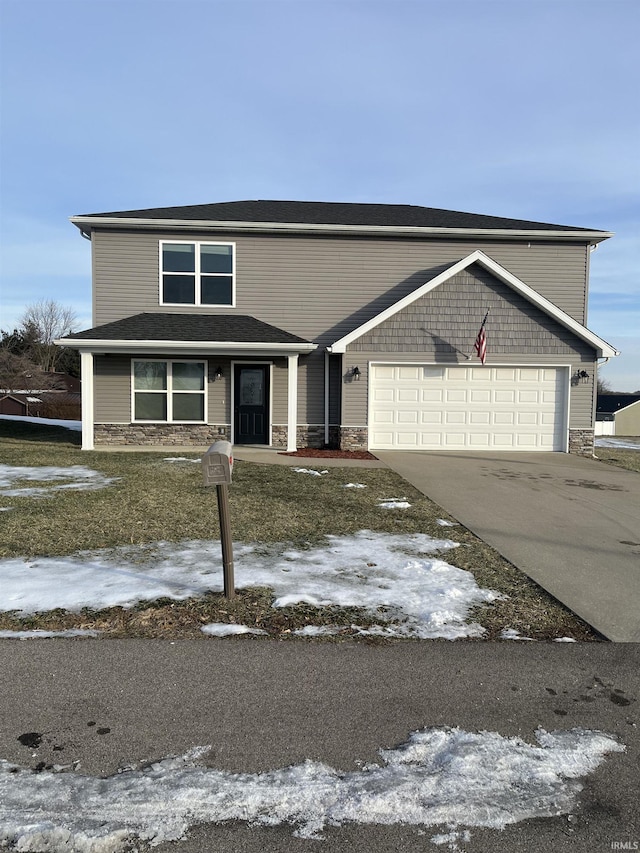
[(293, 324)]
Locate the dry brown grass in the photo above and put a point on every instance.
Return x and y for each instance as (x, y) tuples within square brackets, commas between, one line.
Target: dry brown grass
[(155, 500)]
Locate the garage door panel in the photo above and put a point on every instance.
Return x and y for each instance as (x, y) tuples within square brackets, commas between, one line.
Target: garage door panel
[(436, 407), (383, 417), (408, 395), (384, 395), (410, 373)]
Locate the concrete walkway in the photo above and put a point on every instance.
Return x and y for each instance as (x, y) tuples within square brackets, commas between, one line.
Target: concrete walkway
[(271, 456), (571, 524)]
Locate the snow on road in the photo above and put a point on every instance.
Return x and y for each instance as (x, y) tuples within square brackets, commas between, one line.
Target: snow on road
[(420, 592), (441, 777)]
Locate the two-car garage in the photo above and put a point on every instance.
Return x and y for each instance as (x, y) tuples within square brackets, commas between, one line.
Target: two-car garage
[(457, 407)]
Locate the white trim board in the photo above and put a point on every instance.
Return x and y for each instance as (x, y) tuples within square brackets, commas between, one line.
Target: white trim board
[(604, 349), (89, 223)]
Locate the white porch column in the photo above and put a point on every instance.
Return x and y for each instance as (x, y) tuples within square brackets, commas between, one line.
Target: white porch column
[(86, 372), (292, 396)]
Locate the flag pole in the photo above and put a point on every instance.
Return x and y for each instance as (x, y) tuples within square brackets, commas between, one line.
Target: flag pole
[(478, 336)]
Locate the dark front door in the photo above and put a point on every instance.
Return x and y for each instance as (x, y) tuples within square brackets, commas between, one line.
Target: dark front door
[(251, 404)]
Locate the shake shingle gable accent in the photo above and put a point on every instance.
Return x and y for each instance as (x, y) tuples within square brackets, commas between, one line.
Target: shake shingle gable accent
[(273, 216), (602, 347)]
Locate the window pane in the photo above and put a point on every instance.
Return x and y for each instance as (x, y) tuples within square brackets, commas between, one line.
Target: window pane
[(179, 288), (151, 407), (216, 290), (251, 387), (150, 375), (188, 407), (178, 257), (188, 376), (216, 259)]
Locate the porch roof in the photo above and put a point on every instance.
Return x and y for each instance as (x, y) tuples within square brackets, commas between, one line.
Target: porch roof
[(179, 332)]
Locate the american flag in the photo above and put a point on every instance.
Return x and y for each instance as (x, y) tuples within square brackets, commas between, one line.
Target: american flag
[(481, 341)]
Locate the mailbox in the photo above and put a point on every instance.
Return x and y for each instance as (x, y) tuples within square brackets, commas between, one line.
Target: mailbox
[(217, 464)]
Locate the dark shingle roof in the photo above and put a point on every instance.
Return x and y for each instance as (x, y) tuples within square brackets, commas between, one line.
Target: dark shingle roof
[(611, 403), (335, 213), (212, 328)]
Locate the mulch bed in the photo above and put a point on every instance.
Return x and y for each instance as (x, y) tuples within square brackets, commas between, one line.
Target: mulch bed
[(317, 453)]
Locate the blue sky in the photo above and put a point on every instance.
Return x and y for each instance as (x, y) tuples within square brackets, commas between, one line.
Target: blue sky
[(524, 109)]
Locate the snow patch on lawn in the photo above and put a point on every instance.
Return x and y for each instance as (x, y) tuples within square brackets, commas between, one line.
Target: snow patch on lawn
[(618, 443), (83, 479), (319, 630), (226, 629), (38, 634), (394, 503), (74, 425), (309, 471), (440, 777), (444, 523), (513, 634), (426, 596), (354, 486), (181, 459)]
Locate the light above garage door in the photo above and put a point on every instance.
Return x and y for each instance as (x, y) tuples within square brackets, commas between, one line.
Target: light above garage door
[(433, 407)]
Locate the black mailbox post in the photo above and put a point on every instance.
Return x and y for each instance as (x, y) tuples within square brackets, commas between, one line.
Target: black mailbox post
[(217, 466)]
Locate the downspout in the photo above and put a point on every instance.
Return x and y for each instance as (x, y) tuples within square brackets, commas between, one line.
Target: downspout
[(326, 396)]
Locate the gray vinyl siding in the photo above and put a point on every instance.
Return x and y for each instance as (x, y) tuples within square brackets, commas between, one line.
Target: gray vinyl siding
[(441, 327), (112, 388), (320, 287)]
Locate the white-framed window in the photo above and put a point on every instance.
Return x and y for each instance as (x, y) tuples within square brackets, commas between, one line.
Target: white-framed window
[(169, 391), (197, 273)]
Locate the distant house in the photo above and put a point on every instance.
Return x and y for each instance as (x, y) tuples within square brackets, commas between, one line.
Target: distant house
[(618, 414), (63, 399), (287, 324), (18, 404)]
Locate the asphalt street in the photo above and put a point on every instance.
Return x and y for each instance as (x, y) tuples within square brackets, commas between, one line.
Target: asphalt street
[(265, 704)]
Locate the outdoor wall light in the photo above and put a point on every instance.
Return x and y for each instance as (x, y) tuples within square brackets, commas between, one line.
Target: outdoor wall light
[(355, 373), (218, 373), (581, 376)]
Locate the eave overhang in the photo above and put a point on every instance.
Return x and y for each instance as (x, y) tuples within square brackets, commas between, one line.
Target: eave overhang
[(191, 348), (603, 349), (86, 224)]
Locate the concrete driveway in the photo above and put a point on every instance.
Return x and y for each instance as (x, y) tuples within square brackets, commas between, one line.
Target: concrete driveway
[(571, 524)]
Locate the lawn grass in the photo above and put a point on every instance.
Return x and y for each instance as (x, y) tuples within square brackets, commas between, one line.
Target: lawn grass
[(153, 500), (620, 457)]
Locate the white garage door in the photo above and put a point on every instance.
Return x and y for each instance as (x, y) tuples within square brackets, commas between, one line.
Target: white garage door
[(427, 407)]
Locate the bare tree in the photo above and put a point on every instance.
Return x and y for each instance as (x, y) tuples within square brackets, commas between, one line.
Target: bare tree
[(19, 374), (48, 321), (604, 386)]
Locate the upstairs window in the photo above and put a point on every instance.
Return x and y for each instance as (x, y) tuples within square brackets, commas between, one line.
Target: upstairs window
[(197, 273)]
